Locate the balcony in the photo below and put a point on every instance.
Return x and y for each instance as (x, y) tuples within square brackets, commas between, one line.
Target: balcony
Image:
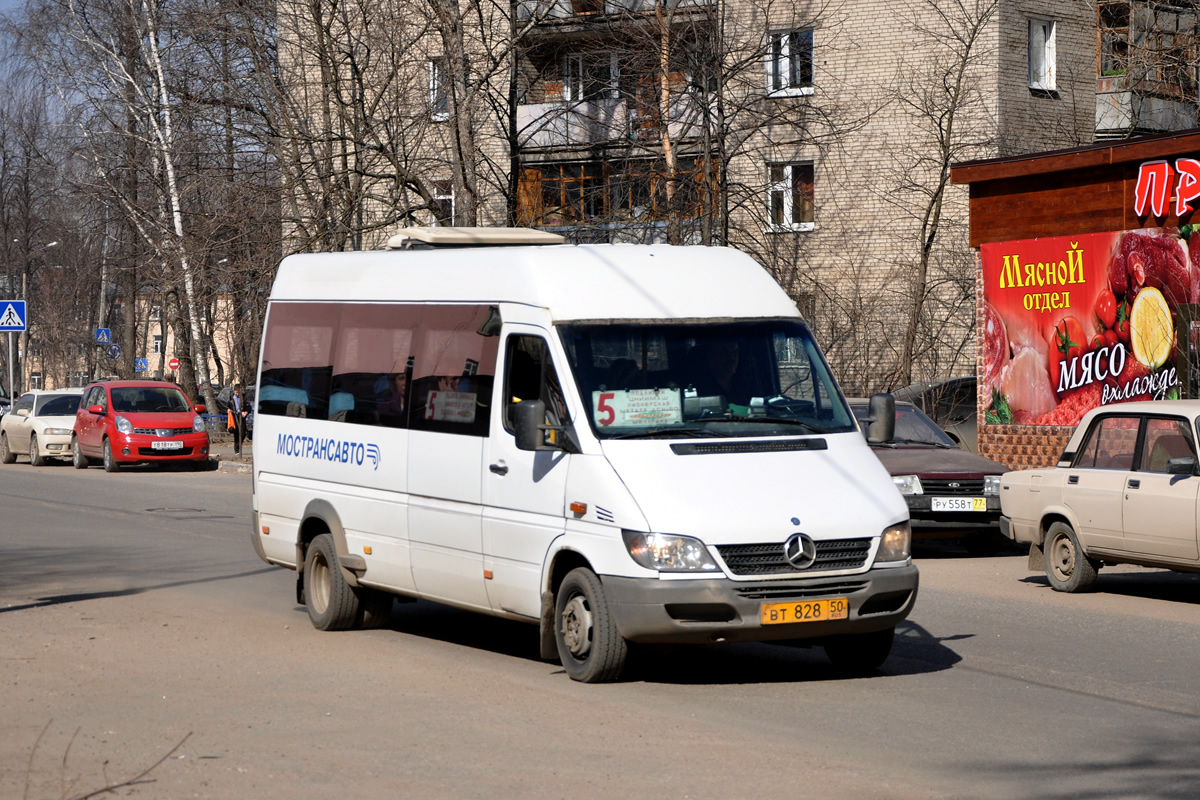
[(560, 124), (1121, 110), (579, 10)]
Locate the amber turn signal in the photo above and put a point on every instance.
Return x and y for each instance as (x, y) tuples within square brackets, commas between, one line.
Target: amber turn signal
[(578, 508)]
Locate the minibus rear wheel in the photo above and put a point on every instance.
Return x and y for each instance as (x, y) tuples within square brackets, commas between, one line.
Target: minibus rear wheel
[(331, 602), (590, 647)]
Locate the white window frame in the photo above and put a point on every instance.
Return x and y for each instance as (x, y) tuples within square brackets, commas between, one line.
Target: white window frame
[(444, 195), (1043, 64), (574, 70), (439, 90), (785, 188), (35, 380), (778, 60), (157, 344)]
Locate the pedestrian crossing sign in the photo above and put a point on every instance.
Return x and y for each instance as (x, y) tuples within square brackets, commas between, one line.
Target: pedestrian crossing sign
[(12, 315), (103, 335)]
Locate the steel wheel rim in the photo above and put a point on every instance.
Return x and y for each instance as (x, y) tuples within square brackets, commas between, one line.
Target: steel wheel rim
[(318, 589), (4, 446), (1062, 557), (577, 626), (32, 449)]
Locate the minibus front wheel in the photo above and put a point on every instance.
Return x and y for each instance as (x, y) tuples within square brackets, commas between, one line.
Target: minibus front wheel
[(590, 647)]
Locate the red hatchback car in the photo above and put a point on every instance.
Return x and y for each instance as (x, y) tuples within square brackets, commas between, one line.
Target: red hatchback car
[(132, 422)]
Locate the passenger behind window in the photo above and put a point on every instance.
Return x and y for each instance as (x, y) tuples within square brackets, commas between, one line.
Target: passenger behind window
[(623, 373)]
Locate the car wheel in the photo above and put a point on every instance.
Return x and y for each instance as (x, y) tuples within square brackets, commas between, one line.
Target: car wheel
[(590, 647), (331, 602), (6, 455), (78, 459), (1068, 567), (860, 653), (35, 455), (110, 463)]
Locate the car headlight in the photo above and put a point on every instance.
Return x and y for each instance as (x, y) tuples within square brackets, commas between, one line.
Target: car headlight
[(198, 424), (908, 484), (57, 432), (124, 425), (896, 543), (991, 484), (667, 553)]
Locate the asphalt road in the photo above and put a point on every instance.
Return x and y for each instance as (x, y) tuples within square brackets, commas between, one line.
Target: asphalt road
[(138, 625)]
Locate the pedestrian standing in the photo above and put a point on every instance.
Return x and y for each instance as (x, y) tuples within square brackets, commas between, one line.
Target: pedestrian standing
[(239, 418)]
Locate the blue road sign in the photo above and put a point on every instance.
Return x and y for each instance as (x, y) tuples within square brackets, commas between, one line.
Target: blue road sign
[(103, 335), (140, 365), (114, 351), (12, 315)]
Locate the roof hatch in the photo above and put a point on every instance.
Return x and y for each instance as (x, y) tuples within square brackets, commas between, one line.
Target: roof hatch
[(429, 236)]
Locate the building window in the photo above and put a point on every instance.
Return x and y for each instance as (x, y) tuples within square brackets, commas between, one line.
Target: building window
[(439, 90), (790, 63), (35, 380), (790, 197), (157, 346), (156, 312), (1114, 37), (589, 76), (443, 202), (1041, 55)]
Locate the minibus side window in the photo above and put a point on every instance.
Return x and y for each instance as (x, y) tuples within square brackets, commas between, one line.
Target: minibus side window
[(297, 360), (372, 364), (454, 366), (529, 375)]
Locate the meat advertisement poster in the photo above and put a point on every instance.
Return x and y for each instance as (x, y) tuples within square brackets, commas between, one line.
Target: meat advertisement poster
[(1072, 323)]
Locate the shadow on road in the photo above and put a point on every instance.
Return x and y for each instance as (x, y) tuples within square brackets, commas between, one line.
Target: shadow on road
[(84, 596), (915, 651), (1153, 584)]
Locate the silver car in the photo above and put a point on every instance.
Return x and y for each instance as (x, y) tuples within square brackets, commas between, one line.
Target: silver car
[(1124, 491), (39, 425)]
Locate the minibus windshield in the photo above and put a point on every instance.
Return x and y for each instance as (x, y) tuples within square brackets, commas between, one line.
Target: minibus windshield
[(699, 379)]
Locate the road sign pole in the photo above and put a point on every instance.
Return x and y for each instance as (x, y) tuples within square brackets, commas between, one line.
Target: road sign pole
[(11, 403)]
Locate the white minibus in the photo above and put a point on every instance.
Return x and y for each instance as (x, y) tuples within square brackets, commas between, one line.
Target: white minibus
[(617, 443)]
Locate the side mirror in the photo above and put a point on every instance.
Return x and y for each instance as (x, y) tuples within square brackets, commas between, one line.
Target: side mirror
[(529, 420), (199, 409), (881, 419), (96, 409), (1184, 465), (22, 412)]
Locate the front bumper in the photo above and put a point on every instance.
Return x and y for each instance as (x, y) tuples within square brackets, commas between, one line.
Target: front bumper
[(139, 448), (54, 445), (716, 610), (920, 507)]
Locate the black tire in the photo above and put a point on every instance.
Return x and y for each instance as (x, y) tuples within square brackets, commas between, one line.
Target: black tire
[(862, 653), (110, 463), (35, 456), (590, 647), (7, 456), (78, 459), (1068, 567), (331, 602)]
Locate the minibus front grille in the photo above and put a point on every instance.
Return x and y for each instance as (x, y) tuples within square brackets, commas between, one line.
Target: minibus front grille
[(769, 559), (788, 591)]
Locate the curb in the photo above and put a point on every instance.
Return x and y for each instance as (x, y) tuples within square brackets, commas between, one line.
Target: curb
[(243, 467)]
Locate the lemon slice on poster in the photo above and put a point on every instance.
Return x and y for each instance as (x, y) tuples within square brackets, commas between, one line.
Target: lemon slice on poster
[(1150, 329)]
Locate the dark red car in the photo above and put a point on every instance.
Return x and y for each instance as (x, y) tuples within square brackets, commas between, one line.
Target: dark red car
[(131, 422)]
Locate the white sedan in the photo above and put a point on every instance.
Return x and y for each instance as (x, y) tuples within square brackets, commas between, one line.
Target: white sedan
[(1124, 491), (40, 424)]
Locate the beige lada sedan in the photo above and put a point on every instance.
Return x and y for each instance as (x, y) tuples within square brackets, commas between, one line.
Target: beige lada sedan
[(1124, 491)]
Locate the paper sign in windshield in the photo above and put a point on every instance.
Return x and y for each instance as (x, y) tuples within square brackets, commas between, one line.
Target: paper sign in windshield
[(636, 407), (451, 407)]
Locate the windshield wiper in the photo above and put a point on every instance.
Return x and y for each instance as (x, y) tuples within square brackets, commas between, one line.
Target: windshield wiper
[(669, 432), (779, 421), (923, 441)]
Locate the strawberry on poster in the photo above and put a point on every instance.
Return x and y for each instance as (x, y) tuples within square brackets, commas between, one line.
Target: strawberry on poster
[(1074, 322)]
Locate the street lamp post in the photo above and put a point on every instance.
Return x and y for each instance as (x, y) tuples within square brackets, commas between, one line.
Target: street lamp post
[(12, 393)]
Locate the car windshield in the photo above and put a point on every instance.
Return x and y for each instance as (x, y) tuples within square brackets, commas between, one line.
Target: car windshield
[(912, 427), (761, 378), (57, 405), (142, 399)]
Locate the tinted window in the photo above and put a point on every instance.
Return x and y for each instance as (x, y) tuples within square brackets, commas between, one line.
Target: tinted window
[(148, 400), (297, 361), (57, 405), (529, 374), (1165, 439), (1110, 444)]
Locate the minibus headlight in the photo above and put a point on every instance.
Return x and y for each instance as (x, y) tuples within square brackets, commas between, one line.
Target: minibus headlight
[(667, 553), (123, 425), (198, 424), (908, 484), (991, 484), (896, 543)]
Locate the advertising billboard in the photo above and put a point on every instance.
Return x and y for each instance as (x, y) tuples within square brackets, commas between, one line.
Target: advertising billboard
[(1075, 322)]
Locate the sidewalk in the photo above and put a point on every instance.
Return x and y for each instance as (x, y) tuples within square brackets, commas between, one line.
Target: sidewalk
[(226, 460)]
